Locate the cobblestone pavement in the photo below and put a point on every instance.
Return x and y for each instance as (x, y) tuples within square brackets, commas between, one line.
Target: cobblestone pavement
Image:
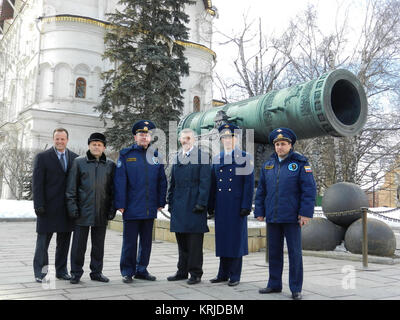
[(324, 278)]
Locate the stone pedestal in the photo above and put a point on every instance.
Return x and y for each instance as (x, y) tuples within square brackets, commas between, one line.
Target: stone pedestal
[(256, 235)]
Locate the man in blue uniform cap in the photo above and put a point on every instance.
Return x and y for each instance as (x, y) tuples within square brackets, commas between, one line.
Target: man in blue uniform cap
[(140, 190), (231, 197), (285, 197)]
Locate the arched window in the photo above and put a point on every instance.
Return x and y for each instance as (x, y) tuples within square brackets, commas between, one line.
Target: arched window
[(196, 104), (80, 88)]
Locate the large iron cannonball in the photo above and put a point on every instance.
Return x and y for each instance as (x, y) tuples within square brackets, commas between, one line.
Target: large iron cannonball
[(340, 233), (381, 238), (320, 234), (341, 198)]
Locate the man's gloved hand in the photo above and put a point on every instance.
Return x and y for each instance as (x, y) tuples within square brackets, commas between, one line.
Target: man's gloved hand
[(73, 215), (40, 212), (210, 213), (111, 215), (199, 209), (244, 212)]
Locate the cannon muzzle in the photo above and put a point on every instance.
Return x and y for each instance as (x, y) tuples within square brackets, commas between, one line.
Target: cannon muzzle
[(334, 104)]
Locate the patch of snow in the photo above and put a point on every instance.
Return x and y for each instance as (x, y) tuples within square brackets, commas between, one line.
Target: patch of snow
[(14, 209)]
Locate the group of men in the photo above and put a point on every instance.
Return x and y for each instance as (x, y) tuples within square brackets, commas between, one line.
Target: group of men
[(73, 193)]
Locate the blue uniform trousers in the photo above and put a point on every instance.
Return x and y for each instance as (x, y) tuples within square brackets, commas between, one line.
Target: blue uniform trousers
[(276, 233), (230, 268), (133, 229), (142, 260)]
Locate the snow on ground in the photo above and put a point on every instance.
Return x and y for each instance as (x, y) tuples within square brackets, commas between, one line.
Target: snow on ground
[(14, 209)]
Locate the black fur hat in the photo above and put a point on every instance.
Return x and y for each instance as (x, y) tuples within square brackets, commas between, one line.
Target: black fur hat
[(97, 137)]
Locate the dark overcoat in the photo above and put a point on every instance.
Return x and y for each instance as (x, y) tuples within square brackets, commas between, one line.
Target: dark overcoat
[(232, 189), (48, 185), (189, 185), (90, 190)]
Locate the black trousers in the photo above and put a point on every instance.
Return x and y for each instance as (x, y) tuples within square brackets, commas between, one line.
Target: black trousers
[(41, 258), (190, 246), (78, 250)]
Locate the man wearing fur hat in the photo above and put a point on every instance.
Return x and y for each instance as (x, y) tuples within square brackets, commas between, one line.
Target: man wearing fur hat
[(89, 197)]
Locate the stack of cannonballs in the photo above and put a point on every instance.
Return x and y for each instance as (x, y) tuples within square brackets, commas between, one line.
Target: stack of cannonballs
[(341, 205)]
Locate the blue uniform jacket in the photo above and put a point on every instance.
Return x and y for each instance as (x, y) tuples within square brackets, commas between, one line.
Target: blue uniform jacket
[(285, 189), (140, 185)]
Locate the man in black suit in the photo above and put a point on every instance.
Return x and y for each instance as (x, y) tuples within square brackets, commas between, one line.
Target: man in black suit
[(49, 183)]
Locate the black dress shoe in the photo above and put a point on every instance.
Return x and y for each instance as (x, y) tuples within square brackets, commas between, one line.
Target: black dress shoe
[(218, 280), (74, 279), (269, 290), (99, 277), (127, 279), (38, 279), (233, 283), (296, 296), (65, 276), (193, 280), (177, 277), (148, 277)]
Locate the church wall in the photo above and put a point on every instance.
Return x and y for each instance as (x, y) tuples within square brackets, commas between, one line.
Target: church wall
[(86, 8), (38, 76), (199, 82)]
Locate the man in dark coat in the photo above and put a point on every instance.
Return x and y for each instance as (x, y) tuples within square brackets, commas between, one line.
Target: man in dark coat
[(140, 191), (231, 197), (285, 197), (48, 183), (89, 197), (188, 194)]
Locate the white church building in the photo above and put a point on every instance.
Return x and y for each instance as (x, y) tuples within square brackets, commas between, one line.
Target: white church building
[(51, 62)]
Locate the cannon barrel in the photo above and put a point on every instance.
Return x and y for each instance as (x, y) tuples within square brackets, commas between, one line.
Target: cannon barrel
[(334, 104)]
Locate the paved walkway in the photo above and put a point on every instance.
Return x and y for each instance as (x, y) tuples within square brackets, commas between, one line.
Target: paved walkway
[(324, 278)]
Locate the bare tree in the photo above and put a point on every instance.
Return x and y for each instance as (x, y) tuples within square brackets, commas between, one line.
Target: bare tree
[(16, 166), (374, 58), (304, 52), (258, 69)]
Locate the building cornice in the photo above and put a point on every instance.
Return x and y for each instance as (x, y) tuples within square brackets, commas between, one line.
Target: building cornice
[(209, 7), (108, 25)]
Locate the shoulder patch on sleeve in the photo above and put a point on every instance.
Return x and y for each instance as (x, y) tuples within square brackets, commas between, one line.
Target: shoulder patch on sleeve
[(307, 169), (269, 166)]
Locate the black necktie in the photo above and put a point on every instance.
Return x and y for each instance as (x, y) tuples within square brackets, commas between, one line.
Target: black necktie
[(62, 161)]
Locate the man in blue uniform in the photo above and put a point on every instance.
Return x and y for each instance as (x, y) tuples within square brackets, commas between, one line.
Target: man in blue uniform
[(286, 198), (231, 195), (140, 190)]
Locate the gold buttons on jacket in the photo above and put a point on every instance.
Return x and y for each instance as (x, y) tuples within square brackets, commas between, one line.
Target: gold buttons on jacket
[(220, 180), (229, 189), (220, 170), (219, 190)]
